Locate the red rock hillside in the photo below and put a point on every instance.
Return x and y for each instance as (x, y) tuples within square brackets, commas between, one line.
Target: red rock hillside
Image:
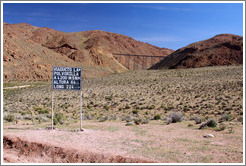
[(223, 49), (29, 52)]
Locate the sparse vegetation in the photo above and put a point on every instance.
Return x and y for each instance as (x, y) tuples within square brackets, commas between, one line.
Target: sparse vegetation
[(200, 94), (139, 108)]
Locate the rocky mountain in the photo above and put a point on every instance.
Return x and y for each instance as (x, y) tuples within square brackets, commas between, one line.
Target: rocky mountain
[(29, 52), (223, 49)]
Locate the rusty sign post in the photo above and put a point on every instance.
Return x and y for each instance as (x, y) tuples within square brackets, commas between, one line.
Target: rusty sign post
[(67, 78)]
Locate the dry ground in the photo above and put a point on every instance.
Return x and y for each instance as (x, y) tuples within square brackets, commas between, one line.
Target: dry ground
[(139, 96), (155, 142)]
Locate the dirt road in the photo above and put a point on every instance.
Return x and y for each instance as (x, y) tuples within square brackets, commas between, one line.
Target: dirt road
[(114, 142)]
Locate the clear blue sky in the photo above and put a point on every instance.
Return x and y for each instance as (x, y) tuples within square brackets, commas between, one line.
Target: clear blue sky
[(170, 25)]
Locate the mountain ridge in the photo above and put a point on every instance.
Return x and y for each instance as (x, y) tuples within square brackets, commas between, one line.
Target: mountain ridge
[(28, 47), (222, 49)]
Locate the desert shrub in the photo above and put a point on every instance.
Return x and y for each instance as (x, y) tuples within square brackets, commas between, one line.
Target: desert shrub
[(157, 117), (41, 118), (48, 116), (23, 113), (225, 117), (137, 121), (106, 107), (109, 98), (27, 117), (87, 117), (230, 129), (185, 109), (209, 123), (41, 111), (64, 106), (18, 117), (112, 117), (126, 118), (127, 107), (55, 121), (240, 119), (221, 127), (150, 107), (102, 118), (227, 109), (9, 118), (60, 118), (88, 106), (170, 107), (135, 111), (174, 117), (144, 120), (197, 119)]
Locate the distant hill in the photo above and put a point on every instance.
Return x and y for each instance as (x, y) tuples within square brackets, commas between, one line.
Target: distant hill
[(29, 52), (223, 49)]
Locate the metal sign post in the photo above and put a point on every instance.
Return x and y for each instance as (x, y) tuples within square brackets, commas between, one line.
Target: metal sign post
[(81, 111), (52, 110), (67, 78)]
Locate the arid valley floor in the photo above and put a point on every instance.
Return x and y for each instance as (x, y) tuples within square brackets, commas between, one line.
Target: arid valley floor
[(128, 117)]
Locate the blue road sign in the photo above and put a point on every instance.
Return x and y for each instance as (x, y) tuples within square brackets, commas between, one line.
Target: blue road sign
[(66, 78)]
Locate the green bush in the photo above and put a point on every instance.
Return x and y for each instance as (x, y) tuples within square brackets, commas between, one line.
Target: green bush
[(55, 121), (127, 107), (58, 118), (151, 107), (10, 118), (157, 117), (41, 111), (135, 111), (106, 107)]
